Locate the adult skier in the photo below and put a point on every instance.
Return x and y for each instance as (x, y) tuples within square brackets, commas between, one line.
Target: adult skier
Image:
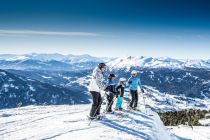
[(96, 86), (120, 89), (133, 83)]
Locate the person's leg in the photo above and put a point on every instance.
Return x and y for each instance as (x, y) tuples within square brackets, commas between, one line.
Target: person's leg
[(136, 99), (118, 103), (132, 98), (110, 102), (99, 104), (121, 96), (95, 96)]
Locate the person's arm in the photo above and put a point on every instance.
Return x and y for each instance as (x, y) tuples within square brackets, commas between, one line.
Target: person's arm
[(118, 87), (118, 90), (107, 87), (129, 82), (99, 80)]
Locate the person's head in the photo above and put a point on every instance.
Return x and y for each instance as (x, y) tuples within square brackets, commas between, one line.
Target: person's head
[(134, 73), (122, 81), (111, 77), (102, 67)]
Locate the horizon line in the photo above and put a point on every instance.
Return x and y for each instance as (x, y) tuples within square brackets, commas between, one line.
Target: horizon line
[(105, 56)]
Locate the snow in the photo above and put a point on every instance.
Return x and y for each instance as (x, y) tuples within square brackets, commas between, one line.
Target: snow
[(84, 81), (18, 57), (67, 78), (161, 62), (46, 77), (195, 133), (205, 121), (119, 63), (5, 87), (167, 102), (54, 56), (3, 73), (31, 88), (197, 64), (68, 122)]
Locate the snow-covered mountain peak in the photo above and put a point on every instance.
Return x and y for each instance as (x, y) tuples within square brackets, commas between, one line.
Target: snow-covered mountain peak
[(113, 63), (17, 58), (53, 57), (161, 62)]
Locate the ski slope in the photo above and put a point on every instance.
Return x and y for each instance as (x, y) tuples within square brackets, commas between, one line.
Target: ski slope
[(69, 122), (195, 133)]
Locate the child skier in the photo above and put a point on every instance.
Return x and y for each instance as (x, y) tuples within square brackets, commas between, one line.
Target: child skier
[(133, 83), (111, 88), (120, 88)]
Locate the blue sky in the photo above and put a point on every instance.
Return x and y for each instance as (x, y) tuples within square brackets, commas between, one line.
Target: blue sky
[(174, 28)]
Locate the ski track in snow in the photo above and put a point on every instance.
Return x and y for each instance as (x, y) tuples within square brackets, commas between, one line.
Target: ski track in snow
[(69, 122)]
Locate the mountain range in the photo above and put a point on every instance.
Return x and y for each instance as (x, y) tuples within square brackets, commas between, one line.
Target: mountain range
[(64, 79)]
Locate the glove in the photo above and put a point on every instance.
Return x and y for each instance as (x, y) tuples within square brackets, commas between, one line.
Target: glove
[(129, 82), (118, 93), (102, 93), (142, 90)]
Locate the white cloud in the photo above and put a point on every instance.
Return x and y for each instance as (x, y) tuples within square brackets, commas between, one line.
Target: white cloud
[(33, 32)]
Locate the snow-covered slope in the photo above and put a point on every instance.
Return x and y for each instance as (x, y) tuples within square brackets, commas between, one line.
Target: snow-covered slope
[(69, 122), (162, 102), (162, 62), (197, 133), (16, 89), (66, 122)]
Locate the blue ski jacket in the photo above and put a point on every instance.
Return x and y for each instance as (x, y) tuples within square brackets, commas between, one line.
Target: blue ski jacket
[(133, 83)]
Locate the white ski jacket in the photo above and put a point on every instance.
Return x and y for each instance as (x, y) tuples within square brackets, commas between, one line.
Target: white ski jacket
[(97, 80)]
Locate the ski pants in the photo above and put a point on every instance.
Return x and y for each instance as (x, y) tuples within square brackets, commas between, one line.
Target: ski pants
[(96, 105), (110, 98), (134, 98)]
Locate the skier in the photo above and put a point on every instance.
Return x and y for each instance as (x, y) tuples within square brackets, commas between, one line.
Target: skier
[(133, 83), (111, 88), (120, 89), (96, 86)]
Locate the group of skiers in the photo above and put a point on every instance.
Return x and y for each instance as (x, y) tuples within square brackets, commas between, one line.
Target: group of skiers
[(113, 91)]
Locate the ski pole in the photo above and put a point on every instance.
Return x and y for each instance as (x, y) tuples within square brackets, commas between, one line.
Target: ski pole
[(145, 105)]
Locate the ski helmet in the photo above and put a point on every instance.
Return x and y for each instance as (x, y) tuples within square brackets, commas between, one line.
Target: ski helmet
[(111, 75), (101, 65), (134, 72), (122, 79)]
